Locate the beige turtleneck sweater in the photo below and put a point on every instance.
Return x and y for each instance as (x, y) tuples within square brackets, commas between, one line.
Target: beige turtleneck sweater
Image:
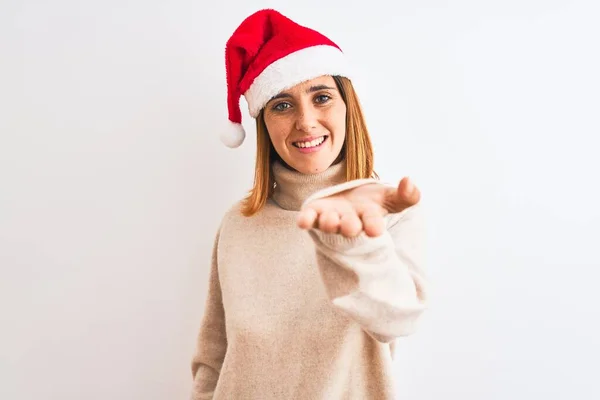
[(309, 316)]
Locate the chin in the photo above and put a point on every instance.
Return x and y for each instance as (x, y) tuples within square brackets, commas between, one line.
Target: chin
[(314, 167)]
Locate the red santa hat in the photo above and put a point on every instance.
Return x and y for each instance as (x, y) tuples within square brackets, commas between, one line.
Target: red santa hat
[(269, 53)]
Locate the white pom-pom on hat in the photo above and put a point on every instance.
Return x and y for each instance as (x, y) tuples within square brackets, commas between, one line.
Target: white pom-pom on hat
[(234, 135)]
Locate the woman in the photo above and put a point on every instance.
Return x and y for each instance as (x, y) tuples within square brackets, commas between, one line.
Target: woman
[(319, 270)]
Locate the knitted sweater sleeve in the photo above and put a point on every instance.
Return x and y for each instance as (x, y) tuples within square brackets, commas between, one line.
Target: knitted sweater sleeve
[(211, 341), (379, 282)]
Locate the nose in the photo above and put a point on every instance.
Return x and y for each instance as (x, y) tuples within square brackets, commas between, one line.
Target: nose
[(307, 119)]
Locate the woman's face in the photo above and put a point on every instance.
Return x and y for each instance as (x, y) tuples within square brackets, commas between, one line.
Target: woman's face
[(307, 124)]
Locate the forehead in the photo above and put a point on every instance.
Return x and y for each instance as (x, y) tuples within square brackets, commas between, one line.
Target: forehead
[(303, 87)]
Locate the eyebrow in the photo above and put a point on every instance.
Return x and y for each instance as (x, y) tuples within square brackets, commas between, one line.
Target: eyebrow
[(311, 89)]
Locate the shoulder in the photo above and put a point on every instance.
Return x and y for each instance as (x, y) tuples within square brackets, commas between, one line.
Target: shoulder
[(234, 217), (234, 210), (230, 223)]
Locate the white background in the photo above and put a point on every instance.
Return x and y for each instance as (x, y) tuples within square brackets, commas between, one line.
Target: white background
[(113, 181)]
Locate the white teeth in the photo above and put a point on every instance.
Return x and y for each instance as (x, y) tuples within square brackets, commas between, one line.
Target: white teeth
[(313, 143)]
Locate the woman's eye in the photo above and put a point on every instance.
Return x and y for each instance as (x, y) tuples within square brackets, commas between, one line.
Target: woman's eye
[(281, 107), (322, 98)]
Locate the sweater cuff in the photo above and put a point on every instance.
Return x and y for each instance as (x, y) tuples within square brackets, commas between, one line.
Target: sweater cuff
[(357, 245)]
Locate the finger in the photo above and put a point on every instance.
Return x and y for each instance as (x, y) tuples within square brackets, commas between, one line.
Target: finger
[(307, 218), (408, 192), (329, 222), (350, 224), (309, 215), (372, 220), (402, 197)]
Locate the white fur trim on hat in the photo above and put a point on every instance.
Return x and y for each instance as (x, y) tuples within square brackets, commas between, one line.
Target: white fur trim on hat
[(234, 135), (297, 67)]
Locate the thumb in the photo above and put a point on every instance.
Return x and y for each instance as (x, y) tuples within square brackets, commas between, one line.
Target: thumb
[(408, 193)]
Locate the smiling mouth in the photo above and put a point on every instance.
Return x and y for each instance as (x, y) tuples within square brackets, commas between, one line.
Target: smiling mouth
[(303, 144)]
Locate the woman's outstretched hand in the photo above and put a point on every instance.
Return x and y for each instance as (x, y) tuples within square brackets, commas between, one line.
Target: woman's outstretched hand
[(359, 209)]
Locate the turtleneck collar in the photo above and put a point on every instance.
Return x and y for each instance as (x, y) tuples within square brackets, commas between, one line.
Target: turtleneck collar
[(292, 188)]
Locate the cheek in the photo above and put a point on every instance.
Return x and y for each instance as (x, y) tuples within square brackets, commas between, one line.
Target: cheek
[(337, 122), (278, 131)]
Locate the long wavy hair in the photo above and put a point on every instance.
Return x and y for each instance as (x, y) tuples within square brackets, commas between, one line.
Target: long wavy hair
[(357, 151)]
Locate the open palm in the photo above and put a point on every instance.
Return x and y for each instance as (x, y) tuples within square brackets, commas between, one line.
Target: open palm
[(359, 209)]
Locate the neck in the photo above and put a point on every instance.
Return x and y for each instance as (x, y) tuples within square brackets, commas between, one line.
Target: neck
[(292, 188)]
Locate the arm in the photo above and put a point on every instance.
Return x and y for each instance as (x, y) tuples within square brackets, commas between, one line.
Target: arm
[(377, 281), (212, 340)]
